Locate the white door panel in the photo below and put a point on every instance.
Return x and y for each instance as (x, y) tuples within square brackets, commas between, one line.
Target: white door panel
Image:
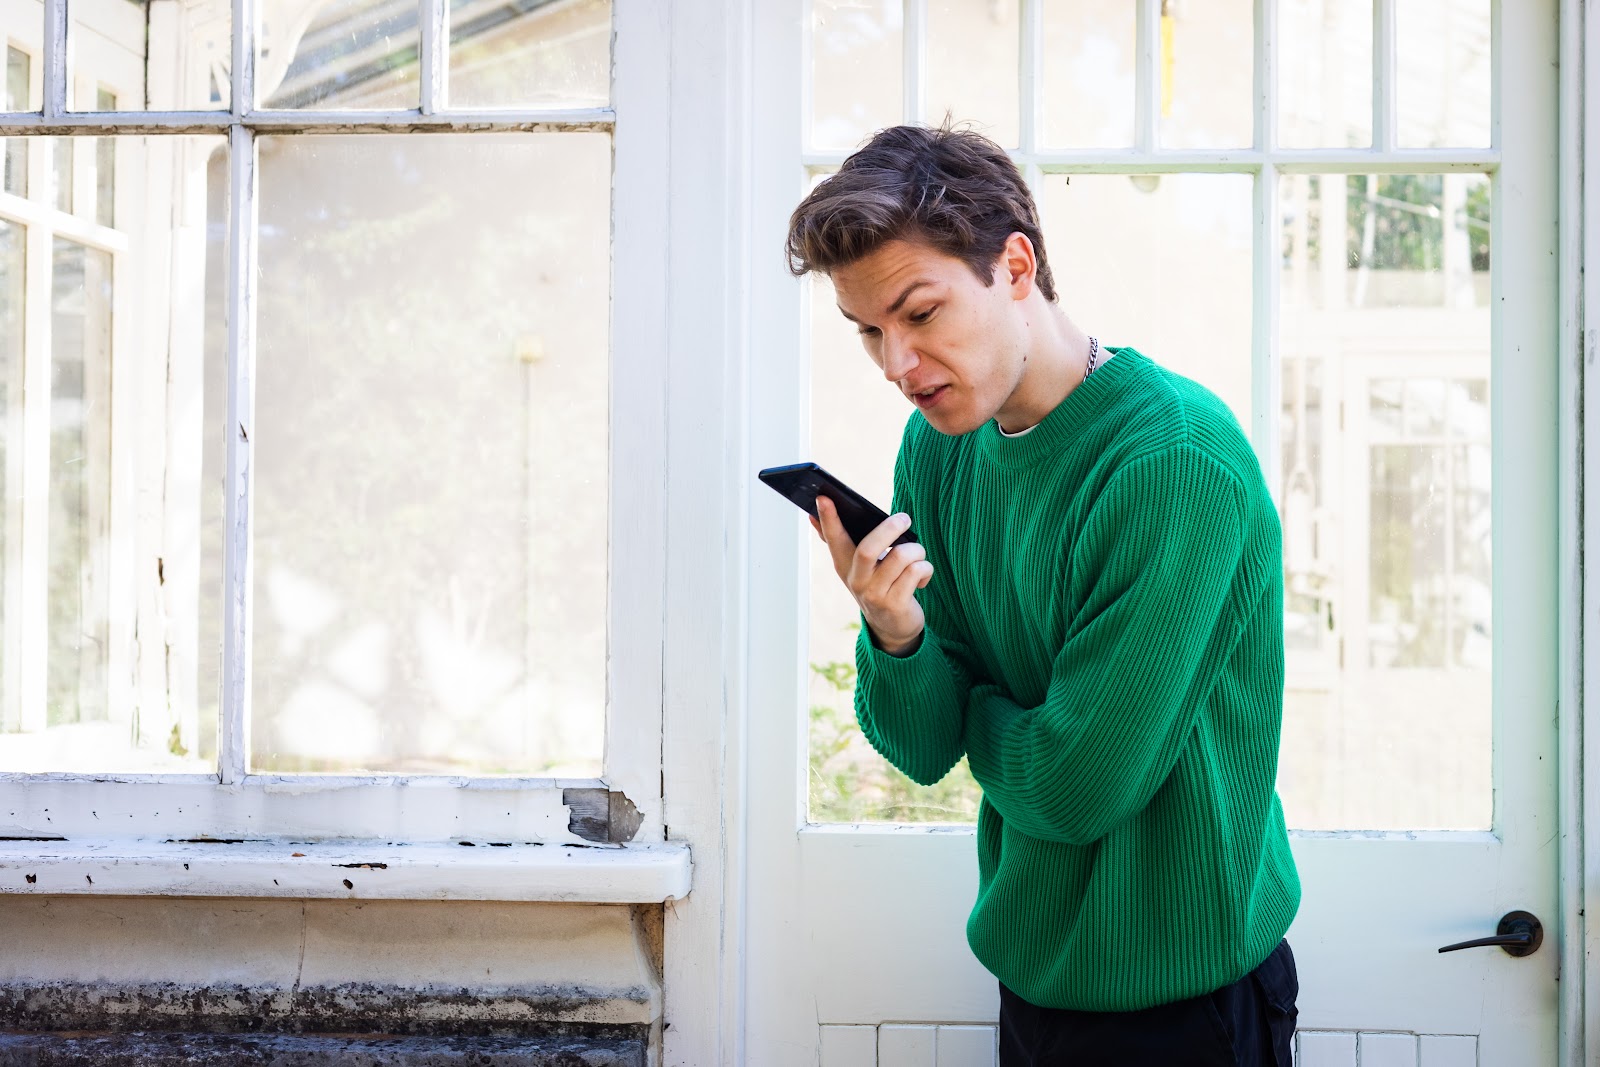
[(863, 928)]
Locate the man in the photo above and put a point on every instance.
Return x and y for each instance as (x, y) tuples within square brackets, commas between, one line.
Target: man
[(1093, 617)]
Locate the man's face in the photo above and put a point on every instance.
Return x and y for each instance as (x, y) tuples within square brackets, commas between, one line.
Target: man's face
[(950, 343)]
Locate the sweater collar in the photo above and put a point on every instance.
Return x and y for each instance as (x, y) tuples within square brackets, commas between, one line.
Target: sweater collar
[(1067, 419)]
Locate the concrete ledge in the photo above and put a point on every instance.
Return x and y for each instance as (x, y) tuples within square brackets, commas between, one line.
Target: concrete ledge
[(290, 1050), (344, 870)]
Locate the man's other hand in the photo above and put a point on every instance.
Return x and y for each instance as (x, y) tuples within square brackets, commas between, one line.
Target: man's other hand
[(881, 578)]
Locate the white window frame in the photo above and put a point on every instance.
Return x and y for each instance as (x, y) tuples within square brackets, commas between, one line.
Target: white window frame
[(235, 803)]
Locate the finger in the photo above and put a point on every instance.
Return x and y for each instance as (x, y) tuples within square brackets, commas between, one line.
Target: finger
[(915, 576), (815, 525), (874, 547), (892, 566), (840, 547)]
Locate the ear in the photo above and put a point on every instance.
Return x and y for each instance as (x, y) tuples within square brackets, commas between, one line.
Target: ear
[(1016, 266)]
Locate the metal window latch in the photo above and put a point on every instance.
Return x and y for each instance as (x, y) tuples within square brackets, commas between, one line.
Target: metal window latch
[(1520, 933)]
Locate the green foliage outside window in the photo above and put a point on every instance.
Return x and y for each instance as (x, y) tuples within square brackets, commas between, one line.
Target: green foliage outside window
[(851, 783)]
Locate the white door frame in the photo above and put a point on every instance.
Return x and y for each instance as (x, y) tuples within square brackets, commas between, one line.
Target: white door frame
[(705, 755), (1578, 802), (1569, 656)]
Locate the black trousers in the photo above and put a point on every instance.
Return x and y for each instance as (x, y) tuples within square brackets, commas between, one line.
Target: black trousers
[(1247, 1024)]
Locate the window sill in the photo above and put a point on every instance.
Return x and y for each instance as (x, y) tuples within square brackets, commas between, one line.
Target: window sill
[(346, 870)]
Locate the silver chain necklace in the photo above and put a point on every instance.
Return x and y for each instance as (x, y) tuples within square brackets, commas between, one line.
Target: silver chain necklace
[(1094, 354)]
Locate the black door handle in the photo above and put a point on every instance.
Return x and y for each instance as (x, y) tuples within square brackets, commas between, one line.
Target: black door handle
[(1520, 933)]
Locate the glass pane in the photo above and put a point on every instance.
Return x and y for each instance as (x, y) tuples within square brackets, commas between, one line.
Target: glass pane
[(107, 667), (153, 54), (1121, 245), (105, 181), (80, 485), (12, 245), (1442, 51), (856, 70), (356, 54), (973, 52), (1325, 73), (17, 99), (1417, 240), (62, 150), (857, 418), (1088, 74), (524, 55), (1470, 571), (1407, 485), (432, 454), (1207, 73), (1307, 614), (1386, 510)]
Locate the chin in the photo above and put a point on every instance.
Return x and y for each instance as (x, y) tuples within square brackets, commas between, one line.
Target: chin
[(953, 425)]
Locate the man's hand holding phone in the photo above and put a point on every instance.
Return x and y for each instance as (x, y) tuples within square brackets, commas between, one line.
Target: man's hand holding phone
[(881, 575)]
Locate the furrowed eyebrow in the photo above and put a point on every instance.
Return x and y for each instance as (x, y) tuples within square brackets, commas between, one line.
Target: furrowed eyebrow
[(899, 302), (913, 287)]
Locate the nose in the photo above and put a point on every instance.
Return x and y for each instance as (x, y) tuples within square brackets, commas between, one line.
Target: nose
[(899, 358)]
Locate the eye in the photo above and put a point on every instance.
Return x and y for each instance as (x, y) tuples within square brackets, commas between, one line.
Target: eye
[(923, 316), (868, 331)]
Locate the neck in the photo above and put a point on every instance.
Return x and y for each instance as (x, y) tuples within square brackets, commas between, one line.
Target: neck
[(1054, 364)]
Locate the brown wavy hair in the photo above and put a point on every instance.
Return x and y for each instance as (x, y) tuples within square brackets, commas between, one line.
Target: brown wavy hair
[(954, 190)]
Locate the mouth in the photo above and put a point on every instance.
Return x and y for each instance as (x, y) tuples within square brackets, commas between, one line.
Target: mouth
[(928, 398)]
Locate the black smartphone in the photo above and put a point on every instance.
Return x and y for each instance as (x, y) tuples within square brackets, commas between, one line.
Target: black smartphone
[(802, 483)]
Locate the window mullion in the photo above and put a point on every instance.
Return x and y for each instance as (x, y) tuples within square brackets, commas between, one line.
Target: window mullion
[(243, 71), (1265, 369), (1266, 75), (34, 616), (435, 56), (1147, 75), (1383, 75), (55, 58), (126, 123), (915, 37), (1031, 67), (239, 428)]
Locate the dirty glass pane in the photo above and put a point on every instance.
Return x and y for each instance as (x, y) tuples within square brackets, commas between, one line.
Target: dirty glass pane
[(505, 55), (80, 484), (62, 151), (12, 266), (105, 174), (1325, 73), (973, 54), (1406, 555), (431, 517), (1442, 50), (1307, 616), (857, 418), (102, 654), (1179, 242), (157, 55), (355, 54), (1386, 501), (1207, 73), (16, 99), (1088, 75), (856, 70)]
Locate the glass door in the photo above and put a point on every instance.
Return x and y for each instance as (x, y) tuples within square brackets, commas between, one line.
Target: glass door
[(1349, 240)]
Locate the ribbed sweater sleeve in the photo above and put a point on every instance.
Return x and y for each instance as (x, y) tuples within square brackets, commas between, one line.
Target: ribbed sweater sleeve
[(911, 707), (1150, 574)]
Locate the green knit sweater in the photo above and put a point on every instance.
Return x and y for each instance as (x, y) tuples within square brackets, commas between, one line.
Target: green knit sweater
[(1105, 644)]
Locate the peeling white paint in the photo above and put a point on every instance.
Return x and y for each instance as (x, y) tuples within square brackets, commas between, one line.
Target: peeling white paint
[(478, 869)]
